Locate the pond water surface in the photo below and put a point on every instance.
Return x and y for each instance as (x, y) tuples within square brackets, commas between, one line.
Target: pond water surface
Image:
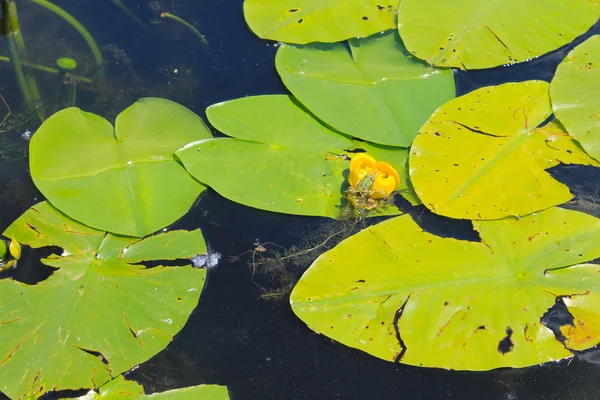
[(256, 347)]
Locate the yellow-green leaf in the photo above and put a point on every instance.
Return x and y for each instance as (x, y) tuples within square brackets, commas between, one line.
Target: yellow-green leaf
[(482, 34), (482, 155), (297, 21), (398, 292), (574, 93)]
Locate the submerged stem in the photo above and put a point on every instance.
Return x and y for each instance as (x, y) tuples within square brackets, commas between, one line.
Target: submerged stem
[(187, 25), (49, 70), (131, 15), (18, 54), (78, 27)]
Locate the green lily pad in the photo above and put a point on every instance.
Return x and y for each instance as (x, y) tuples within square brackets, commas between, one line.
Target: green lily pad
[(481, 156), (98, 314), (402, 294), (124, 179), (280, 158), (376, 92), (573, 92), (119, 388), (484, 34), (296, 21)]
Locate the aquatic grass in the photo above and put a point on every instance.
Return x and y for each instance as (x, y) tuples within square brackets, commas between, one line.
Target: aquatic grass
[(18, 53), (131, 15), (49, 70), (79, 28), (186, 24)]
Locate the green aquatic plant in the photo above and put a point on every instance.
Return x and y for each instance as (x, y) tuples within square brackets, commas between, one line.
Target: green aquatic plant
[(186, 24), (484, 156), (18, 55), (403, 294), (122, 179), (376, 91), (276, 270), (55, 333), (78, 27), (131, 15), (295, 21), (573, 93), (65, 65), (49, 70), (474, 35), (280, 158)]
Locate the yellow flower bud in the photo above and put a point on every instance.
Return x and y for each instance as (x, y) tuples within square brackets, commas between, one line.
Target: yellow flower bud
[(14, 248)]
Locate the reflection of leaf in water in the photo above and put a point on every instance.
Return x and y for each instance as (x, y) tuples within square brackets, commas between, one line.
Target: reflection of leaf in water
[(400, 293), (99, 313)]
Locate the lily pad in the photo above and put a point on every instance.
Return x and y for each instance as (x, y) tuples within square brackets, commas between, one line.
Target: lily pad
[(297, 21), (124, 179), (98, 314), (585, 330), (119, 388), (574, 91), (482, 155), (402, 294), (376, 91), (484, 34), (280, 158)]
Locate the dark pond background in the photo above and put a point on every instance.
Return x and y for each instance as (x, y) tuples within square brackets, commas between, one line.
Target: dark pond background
[(256, 347)]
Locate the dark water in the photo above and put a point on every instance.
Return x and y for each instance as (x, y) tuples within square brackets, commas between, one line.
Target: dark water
[(258, 348)]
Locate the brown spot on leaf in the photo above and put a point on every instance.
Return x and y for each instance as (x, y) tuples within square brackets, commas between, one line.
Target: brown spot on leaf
[(506, 345)]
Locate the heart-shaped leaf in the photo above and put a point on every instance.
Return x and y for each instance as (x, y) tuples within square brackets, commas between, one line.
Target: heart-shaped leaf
[(296, 21), (481, 156), (574, 94), (98, 314), (376, 91), (483, 34), (400, 293), (280, 158), (124, 179)]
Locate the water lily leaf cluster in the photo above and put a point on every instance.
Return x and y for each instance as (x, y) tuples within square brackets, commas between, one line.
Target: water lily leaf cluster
[(459, 34), (100, 312), (403, 294), (296, 150), (124, 389), (278, 157), (124, 179)]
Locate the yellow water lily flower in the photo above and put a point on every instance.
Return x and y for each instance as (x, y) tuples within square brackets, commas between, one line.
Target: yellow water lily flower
[(360, 165), (14, 248), (367, 174)]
